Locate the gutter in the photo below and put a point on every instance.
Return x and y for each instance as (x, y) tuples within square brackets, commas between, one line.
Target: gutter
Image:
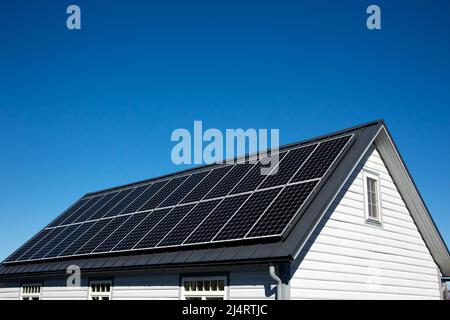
[(282, 279)]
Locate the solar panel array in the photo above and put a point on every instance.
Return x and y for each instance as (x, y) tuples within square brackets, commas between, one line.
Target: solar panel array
[(215, 204)]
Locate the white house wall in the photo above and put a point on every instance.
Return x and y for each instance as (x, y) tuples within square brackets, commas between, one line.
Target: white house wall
[(350, 259)]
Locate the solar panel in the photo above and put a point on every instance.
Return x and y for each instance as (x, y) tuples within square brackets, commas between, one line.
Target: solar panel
[(220, 203), (322, 158), (144, 197), (164, 226), (66, 214), (238, 226), (122, 205), (29, 244), (165, 191), (229, 181), (288, 166), (89, 246), (92, 201), (92, 210), (281, 212), (207, 184), (252, 180), (190, 222), (114, 238), (146, 226), (56, 251), (85, 237), (181, 192)]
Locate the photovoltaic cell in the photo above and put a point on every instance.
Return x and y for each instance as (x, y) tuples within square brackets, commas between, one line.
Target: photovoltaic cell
[(102, 234), (53, 242), (85, 237), (230, 180), (49, 237), (144, 197), (284, 208), (28, 245), (247, 215), (109, 209), (181, 192), (212, 224), (72, 210), (146, 226), (114, 238), (98, 205), (190, 222), (82, 210), (70, 239), (206, 184), (288, 167), (118, 209), (321, 159), (163, 193), (252, 180), (164, 226), (62, 237)]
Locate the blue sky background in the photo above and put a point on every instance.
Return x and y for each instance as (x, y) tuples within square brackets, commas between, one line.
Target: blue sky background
[(90, 109)]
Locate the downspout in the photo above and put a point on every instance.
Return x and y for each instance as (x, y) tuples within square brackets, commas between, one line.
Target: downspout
[(282, 279), (277, 280)]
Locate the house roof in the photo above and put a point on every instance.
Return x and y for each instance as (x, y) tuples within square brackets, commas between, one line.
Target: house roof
[(284, 246)]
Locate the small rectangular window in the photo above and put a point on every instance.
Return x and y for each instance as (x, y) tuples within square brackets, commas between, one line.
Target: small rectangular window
[(372, 197), (199, 288), (100, 290), (31, 292)]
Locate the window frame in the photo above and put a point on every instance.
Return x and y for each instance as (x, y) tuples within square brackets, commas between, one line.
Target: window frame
[(204, 295), (100, 295), (375, 176), (30, 295)]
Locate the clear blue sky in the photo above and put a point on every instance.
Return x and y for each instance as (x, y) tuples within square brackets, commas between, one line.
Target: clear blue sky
[(90, 109)]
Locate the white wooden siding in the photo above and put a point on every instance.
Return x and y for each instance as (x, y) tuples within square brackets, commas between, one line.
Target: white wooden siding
[(351, 259), (8, 292)]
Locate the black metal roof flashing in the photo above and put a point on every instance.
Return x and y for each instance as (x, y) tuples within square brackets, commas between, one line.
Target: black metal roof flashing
[(283, 248)]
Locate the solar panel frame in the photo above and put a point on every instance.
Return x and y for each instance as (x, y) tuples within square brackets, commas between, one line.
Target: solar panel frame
[(72, 209), (163, 193), (63, 245), (104, 212), (91, 202), (96, 207)]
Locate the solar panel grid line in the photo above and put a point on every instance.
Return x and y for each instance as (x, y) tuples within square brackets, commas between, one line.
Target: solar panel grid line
[(301, 166), (281, 196), (221, 189), (164, 226), (72, 217), (90, 245), (27, 245), (152, 216), (77, 205), (130, 196), (101, 225), (48, 237), (153, 228), (71, 238), (174, 190), (112, 202), (188, 197), (146, 215), (181, 234), (39, 251), (249, 175), (179, 221), (184, 189), (224, 211), (164, 183), (322, 158), (198, 184), (70, 250), (112, 233), (294, 157), (68, 231), (237, 224), (164, 192), (145, 196), (140, 192), (97, 207)]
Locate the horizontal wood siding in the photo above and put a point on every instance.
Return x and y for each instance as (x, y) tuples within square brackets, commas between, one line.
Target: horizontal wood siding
[(152, 287), (9, 292), (351, 259)]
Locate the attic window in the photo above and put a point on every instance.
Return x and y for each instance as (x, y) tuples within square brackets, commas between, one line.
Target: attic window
[(199, 288), (372, 197), (100, 290), (31, 292)]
